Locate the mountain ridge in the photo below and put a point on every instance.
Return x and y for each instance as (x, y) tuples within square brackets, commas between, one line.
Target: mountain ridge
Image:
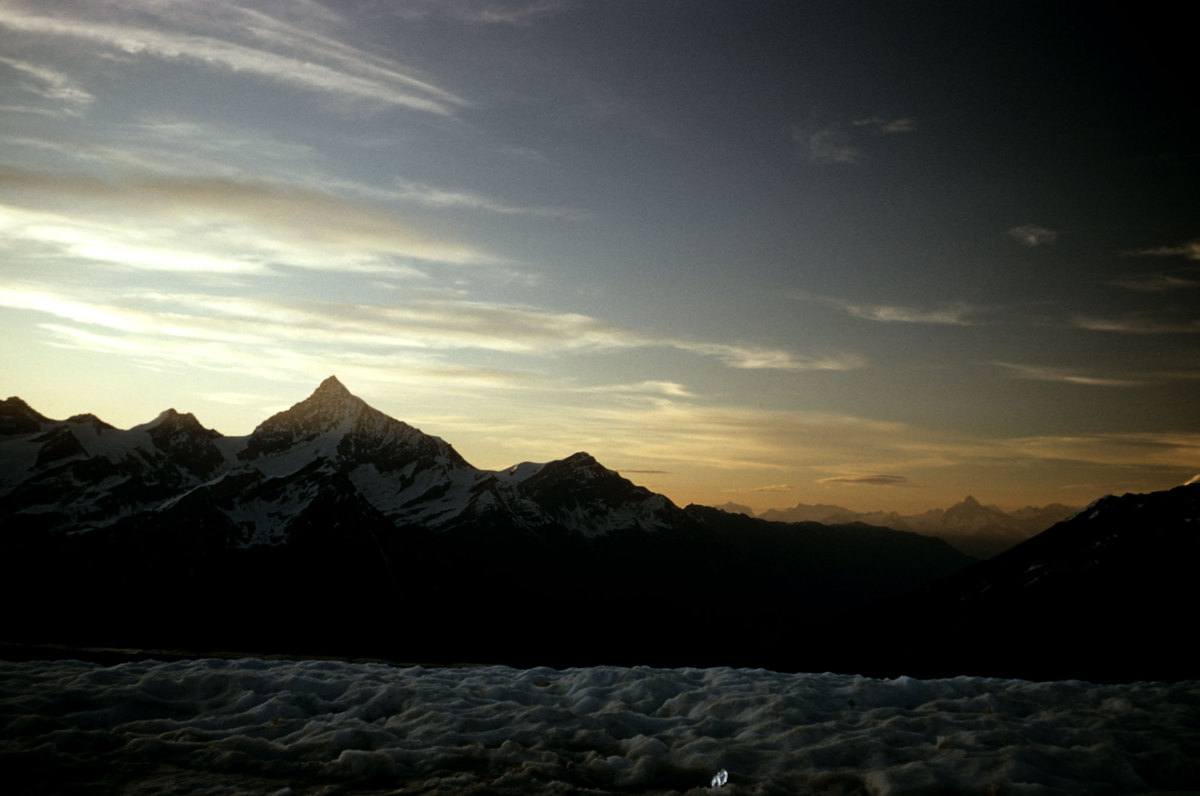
[(979, 530), (1097, 596), (407, 475)]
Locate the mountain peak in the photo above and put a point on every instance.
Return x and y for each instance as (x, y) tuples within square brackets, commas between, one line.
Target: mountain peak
[(17, 417), (171, 421), (332, 388), (331, 405)]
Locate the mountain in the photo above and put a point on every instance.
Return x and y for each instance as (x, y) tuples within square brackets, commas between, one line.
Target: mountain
[(735, 508), (82, 474), (1106, 594), (335, 529), (977, 530)]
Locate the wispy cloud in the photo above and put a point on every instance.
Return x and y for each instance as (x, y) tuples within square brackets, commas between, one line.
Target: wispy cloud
[(751, 357), (1067, 375), (887, 126), (1033, 235), (430, 196), (838, 142), (1137, 323), (1190, 250), (1141, 449), (489, 12), (685, 435), (954, 314), (166, 324), (668, 389), (215, 224), (766, 488), (1156, 283), (51, 84), (826, 145), (277, 51), (866, 480)]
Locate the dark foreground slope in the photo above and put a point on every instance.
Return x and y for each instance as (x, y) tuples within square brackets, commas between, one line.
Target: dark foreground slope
[(1107, 595), (350, 584)]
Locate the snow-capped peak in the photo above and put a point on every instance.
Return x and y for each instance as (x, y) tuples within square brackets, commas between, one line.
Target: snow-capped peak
[(331, 407), (332, 389), (172, 420)]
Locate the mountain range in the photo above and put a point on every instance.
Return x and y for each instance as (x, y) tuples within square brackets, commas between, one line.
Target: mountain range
[(82, 474), (337, 515), (334, 529), (979, 530)]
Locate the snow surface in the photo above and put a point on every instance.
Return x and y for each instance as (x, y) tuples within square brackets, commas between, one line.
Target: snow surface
[(309, 727)]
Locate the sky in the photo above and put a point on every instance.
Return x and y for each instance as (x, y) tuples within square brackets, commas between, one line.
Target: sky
[(877, 254)]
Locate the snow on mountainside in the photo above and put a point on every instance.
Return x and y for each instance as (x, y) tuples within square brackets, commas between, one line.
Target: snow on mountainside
[(81, 474)]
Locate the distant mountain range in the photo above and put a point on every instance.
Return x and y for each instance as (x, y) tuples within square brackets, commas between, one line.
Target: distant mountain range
[(977, 530), (335, 529)]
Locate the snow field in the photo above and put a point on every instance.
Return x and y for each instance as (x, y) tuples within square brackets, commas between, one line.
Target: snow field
[(317, 727)]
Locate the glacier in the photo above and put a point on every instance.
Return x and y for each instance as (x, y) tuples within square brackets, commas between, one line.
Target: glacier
[(325, 726)]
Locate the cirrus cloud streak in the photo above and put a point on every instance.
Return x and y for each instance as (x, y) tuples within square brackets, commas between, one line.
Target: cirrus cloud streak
[(308, 61)]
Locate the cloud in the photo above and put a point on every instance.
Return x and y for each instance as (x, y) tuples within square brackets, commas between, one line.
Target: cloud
[(501, 12), (956, 314), (838, 143), (1190, 250), (435, 197), (51, 84), (1033, 235), (1160, 450), (215, 224), (1067, 376), (1137, 323), (866, 480), (1156, 283), (281, 52), (178, 324), (953, 315), (826, 145), (750, 357), (669, 389), (887, 126), (767, 488)]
